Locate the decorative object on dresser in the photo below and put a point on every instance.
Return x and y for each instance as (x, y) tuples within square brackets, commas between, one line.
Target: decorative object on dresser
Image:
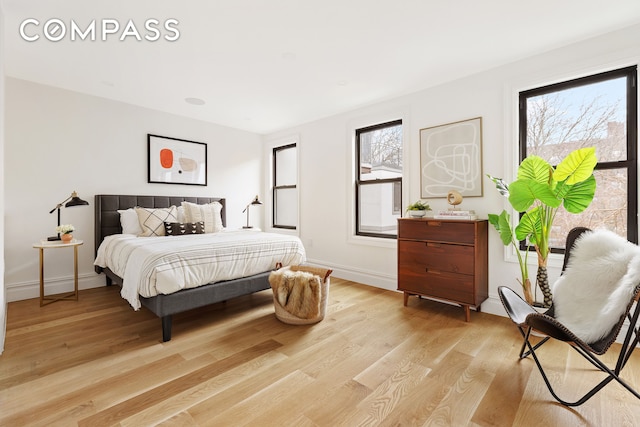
[(176, 161), (455, 214), (72, 200), (451, 159), (418, 209), (445, 260), (454, 198), (255, 201)]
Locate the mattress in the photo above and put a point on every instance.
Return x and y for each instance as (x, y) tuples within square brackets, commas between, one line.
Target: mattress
[(150, 266)]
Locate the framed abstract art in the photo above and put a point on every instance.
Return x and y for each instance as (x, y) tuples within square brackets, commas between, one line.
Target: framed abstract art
[(451, 159), (176, 161)]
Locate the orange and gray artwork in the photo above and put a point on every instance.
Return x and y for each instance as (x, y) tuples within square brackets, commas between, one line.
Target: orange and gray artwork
[(185, 164)]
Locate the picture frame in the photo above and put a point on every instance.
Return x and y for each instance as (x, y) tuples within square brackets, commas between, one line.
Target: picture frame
[(451, 159), (176, 161)]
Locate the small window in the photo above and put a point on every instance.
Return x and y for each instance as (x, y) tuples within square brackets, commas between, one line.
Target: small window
[(595, 111), (379, 179), (285, 191)]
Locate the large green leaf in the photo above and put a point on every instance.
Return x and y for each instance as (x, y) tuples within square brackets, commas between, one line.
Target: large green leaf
[(501, 186), (535, 168), (524, 192), (580, 195), (530, 225), (502, 223), (577, 166)]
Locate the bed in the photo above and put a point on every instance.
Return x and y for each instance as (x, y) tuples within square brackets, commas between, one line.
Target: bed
[(108, 226)]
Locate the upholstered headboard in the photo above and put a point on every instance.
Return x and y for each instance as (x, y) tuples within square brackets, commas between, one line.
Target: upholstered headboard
[(107, 218)]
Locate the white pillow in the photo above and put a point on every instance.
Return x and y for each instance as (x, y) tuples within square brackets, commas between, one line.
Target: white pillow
[(181, 216), (152, 220), (129, 221), (209, 213)]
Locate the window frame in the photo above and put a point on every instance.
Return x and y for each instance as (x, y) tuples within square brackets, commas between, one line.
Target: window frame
[(276, 187), (359, 182), (631, 162)]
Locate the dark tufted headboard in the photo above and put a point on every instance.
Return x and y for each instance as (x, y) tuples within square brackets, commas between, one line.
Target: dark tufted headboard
[(107, 218)]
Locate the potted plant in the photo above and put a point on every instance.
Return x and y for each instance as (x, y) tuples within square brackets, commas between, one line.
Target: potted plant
[(418, 209), (538, 192), (66, 232)]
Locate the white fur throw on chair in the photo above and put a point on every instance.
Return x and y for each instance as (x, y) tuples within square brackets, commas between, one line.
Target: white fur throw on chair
[(597, 285)]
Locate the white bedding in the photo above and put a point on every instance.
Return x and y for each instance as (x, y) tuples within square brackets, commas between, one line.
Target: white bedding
[(162, 265)]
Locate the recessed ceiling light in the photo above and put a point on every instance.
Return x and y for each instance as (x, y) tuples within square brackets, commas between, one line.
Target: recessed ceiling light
[(194, 101), (343, 83), (289, 56)]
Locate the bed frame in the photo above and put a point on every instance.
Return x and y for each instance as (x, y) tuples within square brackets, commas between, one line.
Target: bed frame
[(107, 222)]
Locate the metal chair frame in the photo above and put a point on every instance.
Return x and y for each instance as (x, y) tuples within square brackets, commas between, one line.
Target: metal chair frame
[(528, 319)]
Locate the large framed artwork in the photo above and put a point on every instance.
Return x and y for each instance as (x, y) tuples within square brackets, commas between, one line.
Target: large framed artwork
[(176, 161), (451, 159)]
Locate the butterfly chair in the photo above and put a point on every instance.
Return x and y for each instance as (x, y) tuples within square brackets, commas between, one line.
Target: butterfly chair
[(613, 250)]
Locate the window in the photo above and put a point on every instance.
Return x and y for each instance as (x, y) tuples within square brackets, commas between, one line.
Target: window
[(595, 111), (285, 191), (379, 179)]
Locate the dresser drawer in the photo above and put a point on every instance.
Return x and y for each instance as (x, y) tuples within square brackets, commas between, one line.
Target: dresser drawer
[(449, 286), (419, 257), (436, 230)]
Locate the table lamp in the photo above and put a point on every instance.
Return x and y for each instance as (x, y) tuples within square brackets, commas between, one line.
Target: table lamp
[(255, 201), (72, 200)]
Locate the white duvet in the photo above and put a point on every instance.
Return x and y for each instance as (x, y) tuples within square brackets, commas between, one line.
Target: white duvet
[(162, 265)]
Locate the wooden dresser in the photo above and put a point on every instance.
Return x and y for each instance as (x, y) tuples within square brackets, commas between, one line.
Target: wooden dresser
[(444, 259)]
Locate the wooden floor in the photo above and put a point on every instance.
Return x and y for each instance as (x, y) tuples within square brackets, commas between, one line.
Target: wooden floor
[(370, 362)]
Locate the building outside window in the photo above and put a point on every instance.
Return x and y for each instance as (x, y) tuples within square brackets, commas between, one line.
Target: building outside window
[(379, 179), (285, 191), (596, 111)]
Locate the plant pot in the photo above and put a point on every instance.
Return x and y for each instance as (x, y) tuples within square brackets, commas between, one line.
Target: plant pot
[(66, 238), (417, 214)]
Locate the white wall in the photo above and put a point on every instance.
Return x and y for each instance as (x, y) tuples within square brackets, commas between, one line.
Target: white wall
[(59, 141), (326, 159)]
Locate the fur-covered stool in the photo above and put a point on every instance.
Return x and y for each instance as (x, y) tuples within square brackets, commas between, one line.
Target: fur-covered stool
[(300, 293)]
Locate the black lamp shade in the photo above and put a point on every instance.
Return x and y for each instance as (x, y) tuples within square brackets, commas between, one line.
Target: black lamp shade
[(76, 201)]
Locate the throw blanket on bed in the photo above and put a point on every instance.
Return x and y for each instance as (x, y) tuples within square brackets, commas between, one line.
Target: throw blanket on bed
[(162, 265), (298, 292), (597, 285)]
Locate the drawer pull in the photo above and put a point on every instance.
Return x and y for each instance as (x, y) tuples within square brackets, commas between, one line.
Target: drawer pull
[(434, 223), (433, 245), (426, 270)]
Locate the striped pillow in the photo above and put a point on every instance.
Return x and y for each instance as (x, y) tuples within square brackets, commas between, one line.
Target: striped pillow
[(208, 213)]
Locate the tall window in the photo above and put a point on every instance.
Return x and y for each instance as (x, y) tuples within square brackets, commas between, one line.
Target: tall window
[(379, 179), (595, 111), (285, 191)]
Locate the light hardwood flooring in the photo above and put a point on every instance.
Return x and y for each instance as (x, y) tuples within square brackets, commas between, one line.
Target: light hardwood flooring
[(370, 362)]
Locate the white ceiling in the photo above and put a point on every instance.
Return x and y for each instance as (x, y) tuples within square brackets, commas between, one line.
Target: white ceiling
[(266, 65)]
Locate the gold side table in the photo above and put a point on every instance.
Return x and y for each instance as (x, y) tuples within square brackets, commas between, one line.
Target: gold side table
[(71, 296)]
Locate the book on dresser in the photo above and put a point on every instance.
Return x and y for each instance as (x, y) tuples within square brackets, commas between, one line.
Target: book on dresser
[(455, 214), (444, 259)]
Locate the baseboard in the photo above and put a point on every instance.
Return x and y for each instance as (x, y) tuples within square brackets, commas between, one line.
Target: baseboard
[(28, 290), (378, 280), (389, 282)]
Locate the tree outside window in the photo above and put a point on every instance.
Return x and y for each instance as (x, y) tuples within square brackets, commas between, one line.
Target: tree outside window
[(379, 179), (597, 111)]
